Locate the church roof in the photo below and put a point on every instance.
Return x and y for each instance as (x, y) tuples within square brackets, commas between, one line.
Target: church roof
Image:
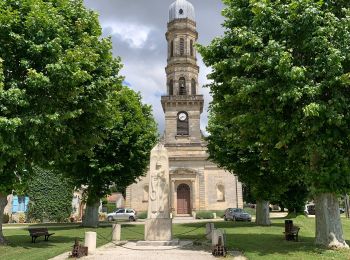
[(181, 9)]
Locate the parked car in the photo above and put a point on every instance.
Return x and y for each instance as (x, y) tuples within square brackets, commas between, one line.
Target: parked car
[(237, 214), (123, 214)]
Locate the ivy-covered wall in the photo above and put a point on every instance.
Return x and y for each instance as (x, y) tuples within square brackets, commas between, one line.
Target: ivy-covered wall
[(50, 196)]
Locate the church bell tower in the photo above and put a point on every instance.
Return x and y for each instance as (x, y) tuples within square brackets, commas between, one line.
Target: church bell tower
[(182, 105)]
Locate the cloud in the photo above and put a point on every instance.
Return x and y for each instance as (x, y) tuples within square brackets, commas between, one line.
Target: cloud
[(135, 35)]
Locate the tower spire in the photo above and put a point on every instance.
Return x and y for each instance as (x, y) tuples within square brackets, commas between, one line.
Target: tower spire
[(181, 9)]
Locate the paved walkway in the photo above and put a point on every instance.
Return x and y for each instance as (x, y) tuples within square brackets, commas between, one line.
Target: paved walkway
[(130, 251)]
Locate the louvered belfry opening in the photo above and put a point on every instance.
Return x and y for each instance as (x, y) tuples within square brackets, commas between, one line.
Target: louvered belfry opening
[(182, 46), (171, 87), (182, 86)]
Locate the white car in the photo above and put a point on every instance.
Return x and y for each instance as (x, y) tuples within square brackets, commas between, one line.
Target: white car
[(122, 214)]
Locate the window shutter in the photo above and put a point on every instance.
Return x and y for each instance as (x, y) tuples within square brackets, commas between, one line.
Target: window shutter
[(14, 204), (26, 203)]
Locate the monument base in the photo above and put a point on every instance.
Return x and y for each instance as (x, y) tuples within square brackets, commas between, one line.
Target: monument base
[(174, 242), (158, 229)]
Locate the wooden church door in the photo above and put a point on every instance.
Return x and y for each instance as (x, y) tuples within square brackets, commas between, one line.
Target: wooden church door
[(183, 199)]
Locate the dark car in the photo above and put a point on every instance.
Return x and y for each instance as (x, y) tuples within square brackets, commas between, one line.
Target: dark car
[(237, 214)]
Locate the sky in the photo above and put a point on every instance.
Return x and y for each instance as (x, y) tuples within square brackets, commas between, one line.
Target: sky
[(137, 29)]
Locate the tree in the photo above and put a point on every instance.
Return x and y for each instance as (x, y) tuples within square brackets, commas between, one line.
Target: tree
[(50, 195), (294, 199), (56, 73), (123, 154), (245, 158), (281, 80)]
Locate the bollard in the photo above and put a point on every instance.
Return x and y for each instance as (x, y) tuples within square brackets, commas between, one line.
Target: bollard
[(217, 235), (214, 215), (194, 214), (90, 241), (116, 232), (209, 227), (218, 243)]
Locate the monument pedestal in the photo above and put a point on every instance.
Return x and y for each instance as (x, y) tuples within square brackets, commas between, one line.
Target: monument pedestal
[(158, 229)]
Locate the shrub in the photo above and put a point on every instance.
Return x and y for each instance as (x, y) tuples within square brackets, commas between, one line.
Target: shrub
[(219, 213), (5, 218), (111, 207), (102, 216), (50, 196), (204, 214), (21, 217), (142, 215)]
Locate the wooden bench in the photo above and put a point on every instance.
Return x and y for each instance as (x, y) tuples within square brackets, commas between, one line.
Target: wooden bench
[(38, 232), (292, 233)]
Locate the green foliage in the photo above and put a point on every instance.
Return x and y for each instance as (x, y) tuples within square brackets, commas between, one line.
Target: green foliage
[(281, 94), (110, 207), (294, 199), (123, 154), (142, 215), (56, 75), (50, 196), (204, 214), (5, 218)]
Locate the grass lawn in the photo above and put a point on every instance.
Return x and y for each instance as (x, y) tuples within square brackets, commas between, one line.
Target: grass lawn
[(268, 242), (255, 242), (20, 246)]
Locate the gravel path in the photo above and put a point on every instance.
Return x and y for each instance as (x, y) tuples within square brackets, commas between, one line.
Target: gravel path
[(130, 251)]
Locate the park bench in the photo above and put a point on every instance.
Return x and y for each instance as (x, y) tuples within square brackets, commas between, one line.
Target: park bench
[(38, 232), (291, 231)]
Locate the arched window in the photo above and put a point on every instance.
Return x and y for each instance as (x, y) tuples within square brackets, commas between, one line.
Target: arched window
[(193, 87), (182, 46), (191, 47), (182, 86), (145, 193), (220, 192), (182, 123), (171, 87), (172, 49)]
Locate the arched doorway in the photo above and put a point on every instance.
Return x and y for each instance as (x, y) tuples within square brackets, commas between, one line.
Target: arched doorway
[(183, 199)]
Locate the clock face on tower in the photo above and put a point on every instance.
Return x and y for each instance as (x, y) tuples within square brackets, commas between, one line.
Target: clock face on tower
[(182, 116)]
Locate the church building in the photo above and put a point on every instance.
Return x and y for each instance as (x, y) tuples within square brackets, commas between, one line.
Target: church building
[(196, 184)]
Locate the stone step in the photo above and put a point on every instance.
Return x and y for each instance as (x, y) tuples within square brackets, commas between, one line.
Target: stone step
[(183, 217)]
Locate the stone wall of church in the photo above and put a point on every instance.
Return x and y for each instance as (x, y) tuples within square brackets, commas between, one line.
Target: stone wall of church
[(223, 189), (215, 189), (137, 195)]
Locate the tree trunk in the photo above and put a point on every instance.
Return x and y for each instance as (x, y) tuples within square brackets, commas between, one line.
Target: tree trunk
[(91, 216), (3, 203), (262, 213), (347, 206), (329, 230)]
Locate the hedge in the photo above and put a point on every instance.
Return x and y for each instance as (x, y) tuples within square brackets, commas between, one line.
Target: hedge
[(50, 196)]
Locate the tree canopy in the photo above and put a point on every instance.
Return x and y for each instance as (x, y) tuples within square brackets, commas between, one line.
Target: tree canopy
[(56, 74), (281, 89), (123, 153)]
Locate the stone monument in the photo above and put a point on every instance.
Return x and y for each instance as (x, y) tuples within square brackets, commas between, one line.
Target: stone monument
[(158, 226)]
